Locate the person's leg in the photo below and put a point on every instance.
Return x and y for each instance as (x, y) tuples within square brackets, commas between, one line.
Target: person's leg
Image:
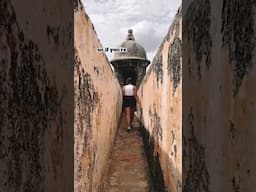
[(127, 116), (132, 114)]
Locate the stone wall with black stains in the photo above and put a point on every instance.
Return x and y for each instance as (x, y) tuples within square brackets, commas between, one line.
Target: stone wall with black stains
[(36, 96), (161, 94), (219, 96), (97, 106)]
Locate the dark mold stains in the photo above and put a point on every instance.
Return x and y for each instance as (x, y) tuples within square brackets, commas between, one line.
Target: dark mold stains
[(232, 131), (156, 124), (175, 26), (236, 184), (189, 68), (78, 5), (174, 150), (178, 185), (86, 96), (197, 178), (86, 99), (239, 35), (153, 162), (174, 63), (197, 24), (175, 174), (96, 70), (29, 105), (173, 137), (53, 34), (184, 151), (158, 67)]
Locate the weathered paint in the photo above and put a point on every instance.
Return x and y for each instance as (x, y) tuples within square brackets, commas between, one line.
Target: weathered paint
[(219, 107), (36, 97), (161, 95), (97, 106)]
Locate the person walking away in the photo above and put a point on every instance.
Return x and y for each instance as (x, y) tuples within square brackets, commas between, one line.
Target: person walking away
[(130, 98)]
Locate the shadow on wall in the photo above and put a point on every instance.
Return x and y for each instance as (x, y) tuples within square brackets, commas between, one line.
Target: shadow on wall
[(154, 162)]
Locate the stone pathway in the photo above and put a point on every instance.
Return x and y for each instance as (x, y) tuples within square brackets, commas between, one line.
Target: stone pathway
[(128, 170)]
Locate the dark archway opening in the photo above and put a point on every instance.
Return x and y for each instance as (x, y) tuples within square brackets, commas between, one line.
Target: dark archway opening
[(130, 72)]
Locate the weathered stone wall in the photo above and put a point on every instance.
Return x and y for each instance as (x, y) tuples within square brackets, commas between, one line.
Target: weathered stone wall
[(161, 94), (219, 96), (36, 96), (97, 106)]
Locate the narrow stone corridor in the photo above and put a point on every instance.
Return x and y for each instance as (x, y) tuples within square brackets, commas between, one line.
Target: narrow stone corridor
[(107, 158), (128, 170)]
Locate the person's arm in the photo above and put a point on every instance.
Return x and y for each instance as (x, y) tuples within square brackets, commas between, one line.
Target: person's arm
[(123, 91), (136, 96)]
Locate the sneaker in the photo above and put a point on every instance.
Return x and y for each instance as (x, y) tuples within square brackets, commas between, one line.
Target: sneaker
[(129, 128)]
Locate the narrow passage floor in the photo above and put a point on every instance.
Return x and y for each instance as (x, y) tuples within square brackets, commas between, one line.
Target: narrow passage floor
[(128, 170)]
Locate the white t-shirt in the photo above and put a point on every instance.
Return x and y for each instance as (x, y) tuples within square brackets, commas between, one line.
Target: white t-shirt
[(129, 90)]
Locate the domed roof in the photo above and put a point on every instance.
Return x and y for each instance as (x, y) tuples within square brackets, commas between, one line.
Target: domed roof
[(133, 50)]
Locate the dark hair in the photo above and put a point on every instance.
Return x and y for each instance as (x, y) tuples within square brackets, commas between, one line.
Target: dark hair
[(128, 80)]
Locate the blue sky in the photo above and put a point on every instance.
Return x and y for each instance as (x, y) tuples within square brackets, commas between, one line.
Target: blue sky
[(149, 19)]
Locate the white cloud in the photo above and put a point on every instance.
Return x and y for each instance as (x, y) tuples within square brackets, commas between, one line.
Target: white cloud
[(146, 34), (149, 19)]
